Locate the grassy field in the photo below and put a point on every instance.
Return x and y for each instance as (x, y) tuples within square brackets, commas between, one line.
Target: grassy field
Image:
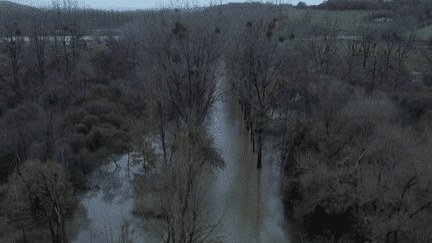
[(349, 21), (414, 63), (423, 34)]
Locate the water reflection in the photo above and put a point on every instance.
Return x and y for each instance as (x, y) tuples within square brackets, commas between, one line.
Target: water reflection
[(111, 202), (255, 213)]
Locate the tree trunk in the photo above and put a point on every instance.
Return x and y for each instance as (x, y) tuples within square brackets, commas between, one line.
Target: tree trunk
[(62, 155), (61, 230), (242, 108), (24, 235), (128, 167), (246, 113), (53, 236), (253, 141), (49, 142), (58, 236), (163, 143), (64, 234), (259, 164)]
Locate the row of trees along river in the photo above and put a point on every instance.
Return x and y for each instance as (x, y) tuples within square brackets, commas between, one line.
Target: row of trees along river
[(227, 116)]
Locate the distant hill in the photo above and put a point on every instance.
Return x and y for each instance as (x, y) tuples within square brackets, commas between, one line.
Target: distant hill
[(10, 9), (23, 12)]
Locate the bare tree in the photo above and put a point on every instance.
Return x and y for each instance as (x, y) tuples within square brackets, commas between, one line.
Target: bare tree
[(361, 164), (13, 46), (39, 40), (47, 183), (181, 191), (187, 59), (351, 56), (141, 141), (69, 26), (397, 46), (427, 54), (68, 54), (368, 37), (322, 41), (252, 71), (162, 111)]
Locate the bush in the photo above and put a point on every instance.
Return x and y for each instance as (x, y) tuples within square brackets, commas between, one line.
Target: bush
[(56, 97), (100, 107), (80, 128), (98, 92), (72, 117), (415, 105), (94, 140), (301, 5), (89, 121)]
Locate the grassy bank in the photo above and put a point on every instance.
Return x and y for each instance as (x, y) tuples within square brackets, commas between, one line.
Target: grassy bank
[(349, 21)]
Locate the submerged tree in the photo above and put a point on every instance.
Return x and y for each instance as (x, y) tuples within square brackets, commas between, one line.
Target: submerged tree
[(182, 211), (253, 68), (44, 189), (141, 143)]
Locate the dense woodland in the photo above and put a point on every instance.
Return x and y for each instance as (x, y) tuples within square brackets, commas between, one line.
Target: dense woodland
[(355, 147)]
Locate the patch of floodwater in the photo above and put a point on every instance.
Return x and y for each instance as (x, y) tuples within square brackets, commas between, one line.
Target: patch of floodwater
[(109, 203), (250, 196)]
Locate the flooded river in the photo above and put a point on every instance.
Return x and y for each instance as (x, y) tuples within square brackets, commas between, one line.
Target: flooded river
[(254, 212)]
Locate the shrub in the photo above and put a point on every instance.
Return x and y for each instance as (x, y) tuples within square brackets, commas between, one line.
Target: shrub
[(56, 97), (99, 107), (72, 117), (301, 5), (89, 121), (98, 92), (415, 105), (94, 140), (80, 128)]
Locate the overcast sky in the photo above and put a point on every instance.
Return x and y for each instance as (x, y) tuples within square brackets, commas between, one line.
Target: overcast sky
[(142, 4)]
